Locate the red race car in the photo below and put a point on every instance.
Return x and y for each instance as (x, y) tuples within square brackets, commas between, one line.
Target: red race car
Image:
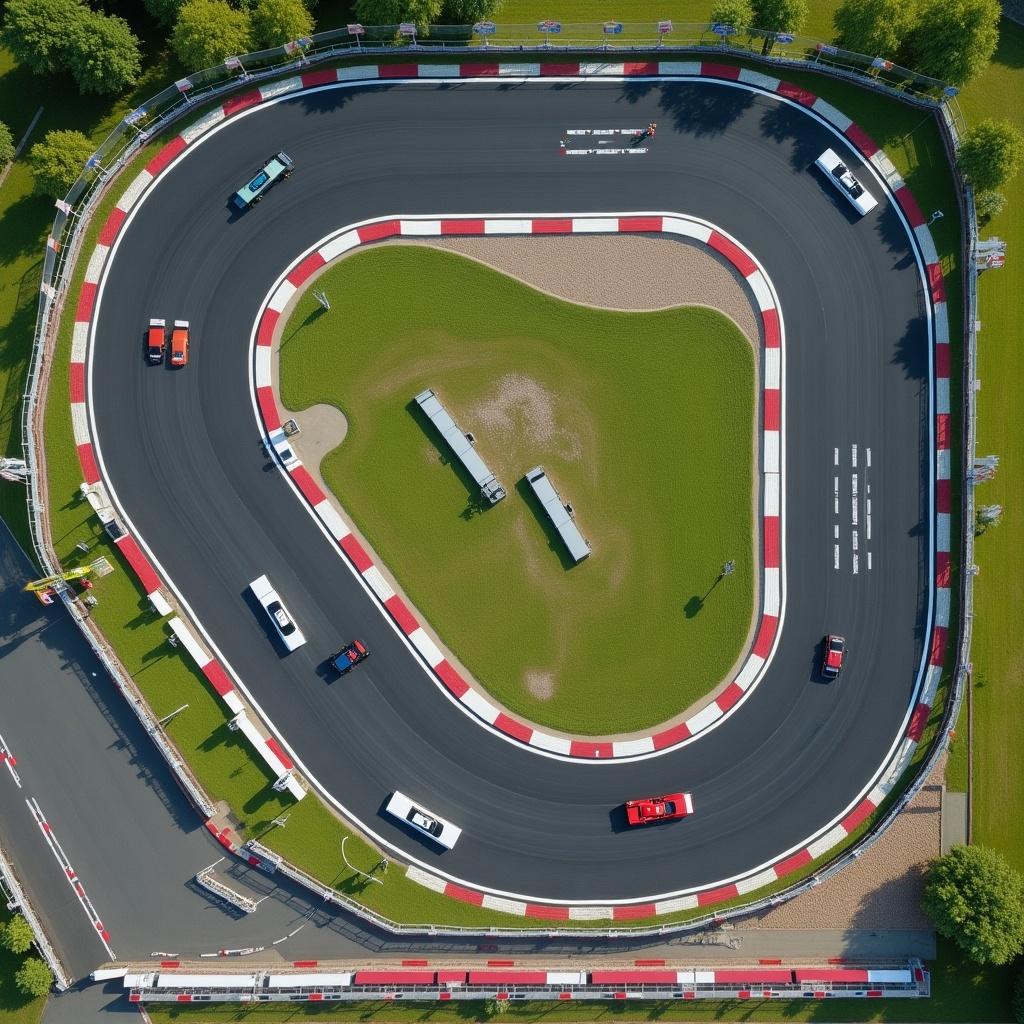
[(834, 651), (658, 808)]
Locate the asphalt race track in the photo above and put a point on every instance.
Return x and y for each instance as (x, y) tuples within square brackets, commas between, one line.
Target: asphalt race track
[(181, 452)]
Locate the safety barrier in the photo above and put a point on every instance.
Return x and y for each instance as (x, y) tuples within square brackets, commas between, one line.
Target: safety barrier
[(137, 128), (907, 979), (19, 902), (209, 881)]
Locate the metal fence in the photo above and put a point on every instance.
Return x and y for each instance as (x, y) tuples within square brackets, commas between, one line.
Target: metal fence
[(185, 96)]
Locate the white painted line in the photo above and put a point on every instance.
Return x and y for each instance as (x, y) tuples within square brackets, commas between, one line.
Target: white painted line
[(835, 556), (632, 151), (835, 456), (853, 456), (867, 455), (869, 561), (856, 565), (856, 543), (10, 760)]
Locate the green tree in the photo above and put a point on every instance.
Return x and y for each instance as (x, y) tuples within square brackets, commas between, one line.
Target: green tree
[(103, 54), (976, 899), (466, 12), (6, 145), (737, 13), (208, 31), (953, 40), (57, 161), (165, 12), (774, 16), (874, 27), (989, 204), (280, 21), (17, 935), (990, 154), (423, 13), (33, 977), (37, 31)]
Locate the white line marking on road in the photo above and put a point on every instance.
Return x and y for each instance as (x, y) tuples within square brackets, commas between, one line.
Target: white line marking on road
[(853, 502), (853, 455), (10, 760), (70, 875), (836, 532), (835, 556), (868, 453), (869, 561), (856, 565), (868, 518), (856, 544), (632, 151), (835, 456), (604, 131)]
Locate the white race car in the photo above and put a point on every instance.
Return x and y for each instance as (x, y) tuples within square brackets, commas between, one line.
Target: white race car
[(843, 179), (444, 833), (290, 634)]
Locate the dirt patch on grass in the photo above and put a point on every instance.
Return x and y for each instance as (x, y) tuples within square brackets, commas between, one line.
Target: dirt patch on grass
[(519, 407), (540, 684)]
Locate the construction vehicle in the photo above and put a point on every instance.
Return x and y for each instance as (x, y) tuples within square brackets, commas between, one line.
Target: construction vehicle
[(46, 589)]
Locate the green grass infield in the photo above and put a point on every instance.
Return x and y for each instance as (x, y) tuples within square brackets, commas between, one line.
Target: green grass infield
[(644, 421)]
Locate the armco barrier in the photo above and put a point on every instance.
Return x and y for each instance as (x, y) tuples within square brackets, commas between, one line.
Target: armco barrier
[(56, 276)]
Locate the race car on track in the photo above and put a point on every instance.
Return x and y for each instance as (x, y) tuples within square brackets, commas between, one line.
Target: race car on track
[(834, 651), (290, 634), (650, 809), (349, 656), (842, 177), (276, 169), (444, 833), (155, 340), (179, 343)]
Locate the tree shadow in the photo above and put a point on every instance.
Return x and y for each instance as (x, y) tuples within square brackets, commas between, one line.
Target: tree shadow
[(693, 607), (781, 123), (704, 110)]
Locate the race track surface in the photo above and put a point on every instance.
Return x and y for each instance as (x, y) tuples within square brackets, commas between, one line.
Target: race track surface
[(181, 452)]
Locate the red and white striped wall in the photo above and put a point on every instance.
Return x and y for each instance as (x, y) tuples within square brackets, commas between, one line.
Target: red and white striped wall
[(762, 294), (494, 717)]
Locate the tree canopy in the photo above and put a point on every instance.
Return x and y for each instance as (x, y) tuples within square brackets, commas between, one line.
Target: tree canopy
[(953, 40), (103, 54), (275, 22), (33, 977), (37, 31), (737, 13), (6, 145), (57, 161), (875, 27), (990, 154), (207, 32), (976, 899)]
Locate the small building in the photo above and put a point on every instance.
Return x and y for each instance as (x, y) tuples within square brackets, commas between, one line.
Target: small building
[(559, 513), (461, 445)]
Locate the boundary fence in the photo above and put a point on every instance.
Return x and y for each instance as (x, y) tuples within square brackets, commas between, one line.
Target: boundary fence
[(188, 95)]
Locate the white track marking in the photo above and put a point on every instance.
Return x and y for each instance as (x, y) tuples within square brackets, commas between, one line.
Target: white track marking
[(70, 875), (835, 556), (632, 151), (869, 561), (835, 456), (853, 455), (10, 760), (854, 507), (604, 131), (856, 565)]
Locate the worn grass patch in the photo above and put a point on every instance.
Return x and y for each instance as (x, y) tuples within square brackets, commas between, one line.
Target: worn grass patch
[(643, 420)]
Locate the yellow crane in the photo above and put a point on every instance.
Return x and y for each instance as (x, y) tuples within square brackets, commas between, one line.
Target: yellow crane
[(44, 588)]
